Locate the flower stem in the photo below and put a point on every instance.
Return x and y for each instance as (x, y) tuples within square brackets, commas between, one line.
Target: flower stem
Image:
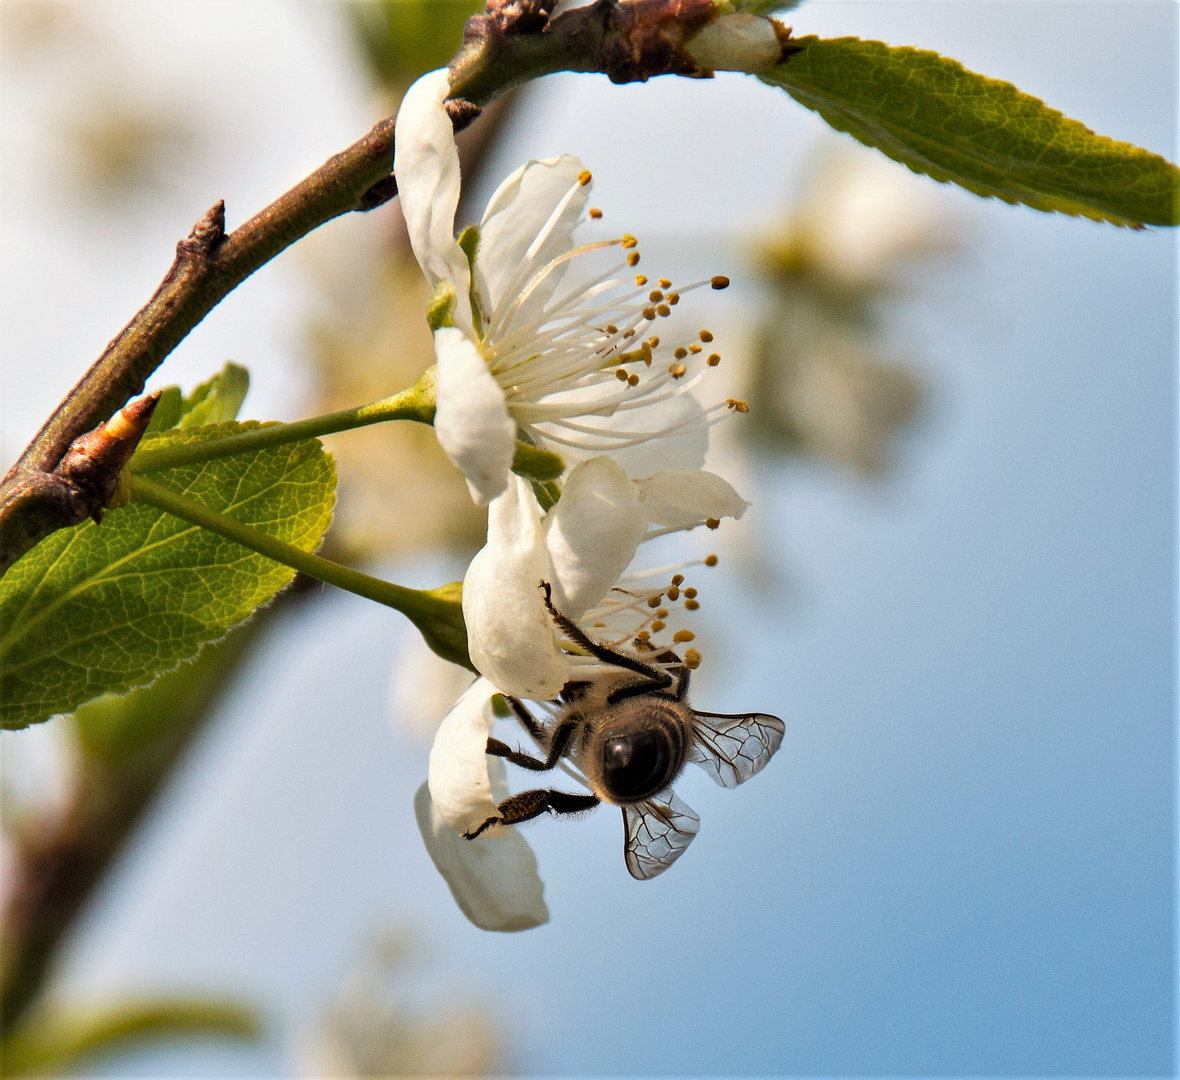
[(414, 403), (437, 613)]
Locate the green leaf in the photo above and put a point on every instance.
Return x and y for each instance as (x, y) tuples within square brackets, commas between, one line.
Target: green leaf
[(115, 728), (213, 402), (55, 1039), (217, 400), (932, 114), (104, 608), (169, 410)]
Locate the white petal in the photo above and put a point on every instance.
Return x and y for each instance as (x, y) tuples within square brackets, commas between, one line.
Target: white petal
[(522, 208), (681, 498), (426, 165), (592, 534), (472, 422), (458, 773), (510, 636), (492, 878)]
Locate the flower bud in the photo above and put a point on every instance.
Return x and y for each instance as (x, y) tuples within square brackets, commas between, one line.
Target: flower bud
[(738, 42)]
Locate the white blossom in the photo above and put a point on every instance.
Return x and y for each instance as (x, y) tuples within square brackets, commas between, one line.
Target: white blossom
[(582, 548), (494, 877), (569, 367)]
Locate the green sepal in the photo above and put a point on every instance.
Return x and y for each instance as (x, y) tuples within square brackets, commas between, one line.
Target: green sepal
[(547, 492), (440, 308), (469, 242), (440, 622), (536, 463), (933, 115)]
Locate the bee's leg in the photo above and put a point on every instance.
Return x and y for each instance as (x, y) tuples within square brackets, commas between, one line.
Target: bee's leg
[(607, 656), (679, 672), (530, 804), (500, 749), (557, 745), (526, 718)]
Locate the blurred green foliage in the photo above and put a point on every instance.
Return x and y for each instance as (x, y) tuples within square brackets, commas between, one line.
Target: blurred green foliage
[(58, 1039), (402, 39)]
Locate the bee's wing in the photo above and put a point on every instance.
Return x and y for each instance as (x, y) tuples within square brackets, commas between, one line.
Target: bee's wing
[(732, 748), (657, 832)]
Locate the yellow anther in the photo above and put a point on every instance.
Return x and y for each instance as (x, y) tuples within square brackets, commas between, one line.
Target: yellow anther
[(737, 405), (690, 592), (621, 374), (629, 241), (649, 313), (680, 353), (714, 359), (677, 370), (674, 593), (695, 349), (663, 309), (629, 333), (677, 579), (633, 259), (673, 298), (643, 635), (657, 626), (611, 328), (655, 296), (633, 380), (665, 283), (692, 659), (691, 605), (653, 341), (712, 523), (640, 280), (584, 177), (706, 336), (654, 601), (662, 613), (683, 635), (719, 281), (710, 560), (598, 624), (595, 213)]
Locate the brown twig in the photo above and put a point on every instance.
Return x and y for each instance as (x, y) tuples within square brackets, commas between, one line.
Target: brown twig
[(517, 40), (208, 265)]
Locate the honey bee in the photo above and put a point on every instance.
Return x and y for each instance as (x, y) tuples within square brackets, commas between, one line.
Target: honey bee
[(629, 732)]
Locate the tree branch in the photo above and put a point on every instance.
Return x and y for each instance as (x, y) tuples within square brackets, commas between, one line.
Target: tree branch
[(516, 41), (208, 265)]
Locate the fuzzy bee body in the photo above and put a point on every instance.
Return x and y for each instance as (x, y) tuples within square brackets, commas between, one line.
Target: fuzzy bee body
[(630, 750)]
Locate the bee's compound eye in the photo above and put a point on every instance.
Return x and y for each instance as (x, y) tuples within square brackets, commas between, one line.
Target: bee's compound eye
[(636, 764)]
